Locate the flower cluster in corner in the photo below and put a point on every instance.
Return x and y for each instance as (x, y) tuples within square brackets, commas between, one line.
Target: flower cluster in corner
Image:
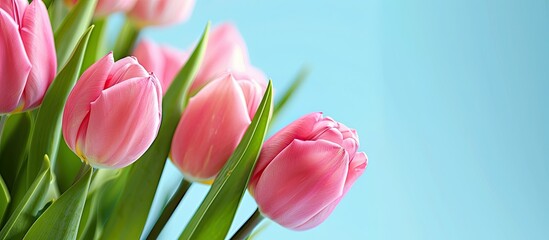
[(207, 109)]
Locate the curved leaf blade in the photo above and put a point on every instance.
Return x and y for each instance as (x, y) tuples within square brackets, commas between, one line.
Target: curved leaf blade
[(25, 214), (73, 26), (4, 198), (135, 202), (62, 218), (215, 215)]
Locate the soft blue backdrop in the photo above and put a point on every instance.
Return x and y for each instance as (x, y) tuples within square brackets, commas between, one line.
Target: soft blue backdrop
[(449, 98)]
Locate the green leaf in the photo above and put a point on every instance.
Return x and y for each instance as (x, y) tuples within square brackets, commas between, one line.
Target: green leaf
[(62, 218), (47, 2), (215, 215), (297, 82), (96, 44), (25, 214), (73, 26), (136, 199), (47, 130), (4, 198), (108, 195), (100, 179), (57, 10), (14, 146)]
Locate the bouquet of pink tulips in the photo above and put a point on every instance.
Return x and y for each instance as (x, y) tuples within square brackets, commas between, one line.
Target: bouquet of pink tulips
[(86, 128)]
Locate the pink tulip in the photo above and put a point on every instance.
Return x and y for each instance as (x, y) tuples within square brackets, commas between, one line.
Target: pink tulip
[(305, 169), (27, 60), (161, 12), (213, 124), (113, 113), (108, 7), (226, 51), (165, 62)]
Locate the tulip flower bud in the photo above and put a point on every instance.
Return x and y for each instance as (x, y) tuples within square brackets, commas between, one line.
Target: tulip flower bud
[(213, 124), (305, 169), (226, 51), (27, 63), (161, 12), (107, 7), (164, 61), (113, 113)]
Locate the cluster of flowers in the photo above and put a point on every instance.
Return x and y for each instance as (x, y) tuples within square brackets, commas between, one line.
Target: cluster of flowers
[(114, 112)]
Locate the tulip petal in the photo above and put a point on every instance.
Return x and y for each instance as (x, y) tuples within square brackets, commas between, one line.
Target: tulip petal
[(210, 129), (14, 8), (157, 12), (14, 63), (301, 181), (146, 53), (123, 123), (86, 90), (299, 129), (356, 168), (257, 75), (105, 8), (173, 62), (253, 93), (164, 62), (226, 52), (37, 38), (331, 135), (124, 69)]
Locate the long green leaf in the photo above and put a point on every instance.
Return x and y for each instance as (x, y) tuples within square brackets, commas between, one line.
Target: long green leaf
[(96, 44), (215, 215), (72, 27), (88, 222), (57, 10), (26, 212), (14, 146), (4, 198), (136, 199), (48, 121), (61, 219), (108, 195), (286, 96)]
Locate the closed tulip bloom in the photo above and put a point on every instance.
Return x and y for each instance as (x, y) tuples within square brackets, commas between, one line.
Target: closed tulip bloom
[(27, 62), (108, 7), (161, 12), (305, 169), (164, 61), (226, 51), (213, 124), (113, 113)]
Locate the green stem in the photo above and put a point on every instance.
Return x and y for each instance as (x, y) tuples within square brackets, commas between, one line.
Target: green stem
[(3, 119), (246, 229), (126, 39), (169, 209)]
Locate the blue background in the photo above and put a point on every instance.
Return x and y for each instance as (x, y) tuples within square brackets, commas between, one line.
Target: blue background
[(449, 99)]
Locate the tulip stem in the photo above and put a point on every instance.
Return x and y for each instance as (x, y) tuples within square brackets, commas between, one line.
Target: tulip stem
[(246, 229), (3, 119), (126, 39), (169, 209)]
